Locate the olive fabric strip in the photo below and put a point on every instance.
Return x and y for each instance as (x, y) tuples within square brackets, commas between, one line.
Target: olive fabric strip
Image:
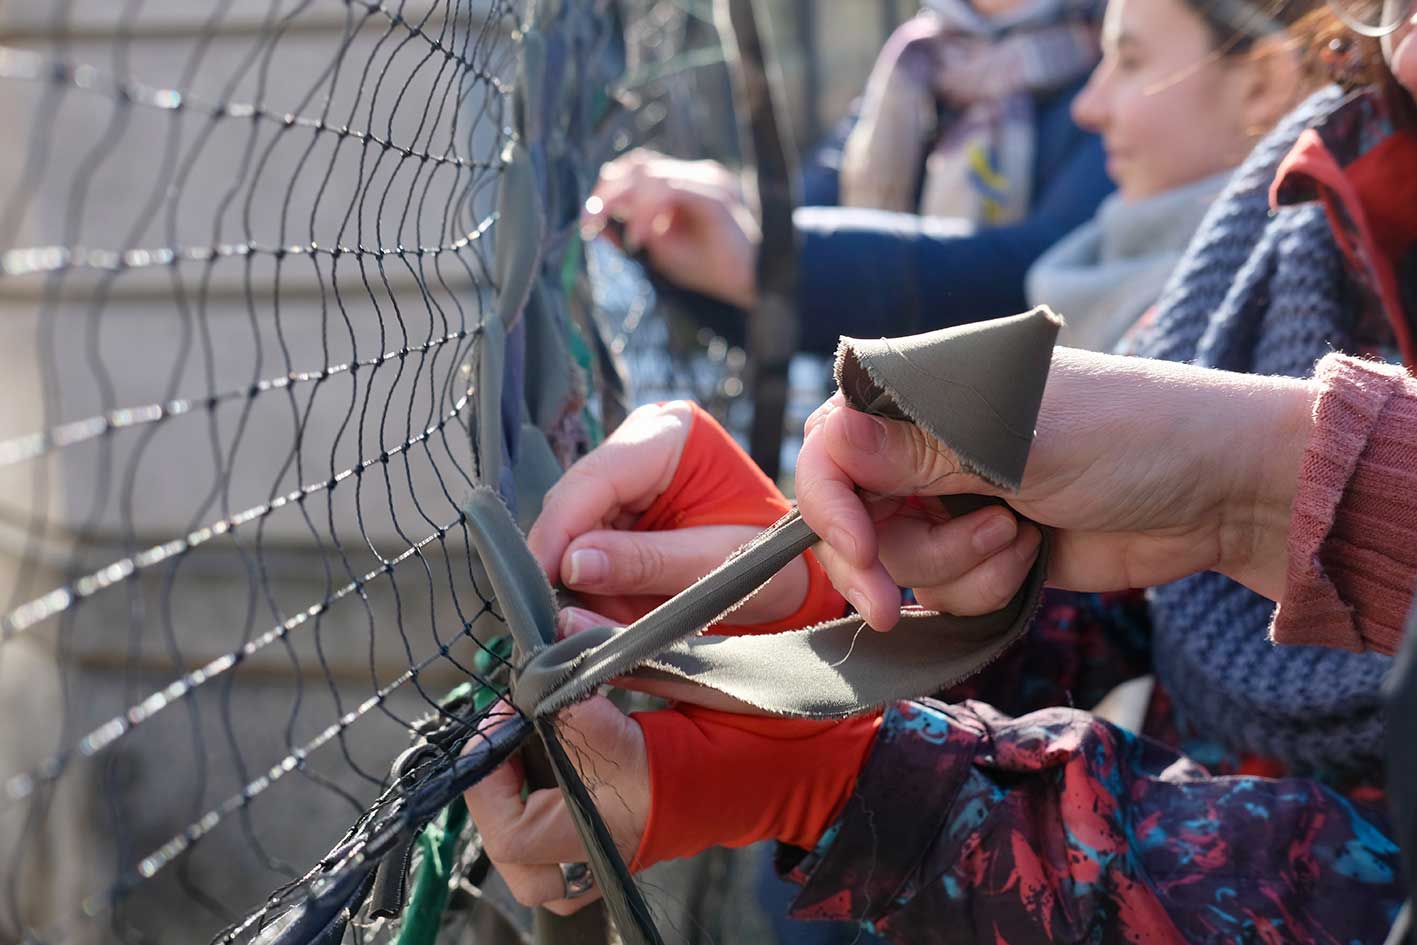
[(977, 389)]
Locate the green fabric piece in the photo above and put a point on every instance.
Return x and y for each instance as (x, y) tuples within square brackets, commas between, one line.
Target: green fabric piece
[(518, 235), (549, 360), (520, 588), (976, 388), (535, 472), (491, 358), (423, 916)]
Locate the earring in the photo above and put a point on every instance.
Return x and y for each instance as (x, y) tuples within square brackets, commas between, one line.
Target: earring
[(1342, 62)]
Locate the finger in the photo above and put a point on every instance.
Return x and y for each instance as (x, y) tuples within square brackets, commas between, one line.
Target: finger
[(665, 562), (817, 416), (625, 473), (893, 457), (573, 620), (828, 501), (923, 551), (871, 591), (495, 803), (989, 586), (619, 198), (628, 162), (543, 886), (659, 206), (829, 504)]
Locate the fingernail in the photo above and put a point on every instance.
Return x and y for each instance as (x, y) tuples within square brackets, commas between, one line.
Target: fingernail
[(864, 432), (588, 567), (563, 624), (994, 534)]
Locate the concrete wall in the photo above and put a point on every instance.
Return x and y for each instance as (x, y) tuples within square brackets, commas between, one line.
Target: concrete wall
[(172, 137)]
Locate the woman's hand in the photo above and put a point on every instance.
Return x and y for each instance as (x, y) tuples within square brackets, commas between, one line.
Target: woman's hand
[(1147, 470), (669, 783), (609, 531), (528, 837), (689, 217)]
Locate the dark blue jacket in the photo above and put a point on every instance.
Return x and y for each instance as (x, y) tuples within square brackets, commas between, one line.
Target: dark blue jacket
[(870, 273)]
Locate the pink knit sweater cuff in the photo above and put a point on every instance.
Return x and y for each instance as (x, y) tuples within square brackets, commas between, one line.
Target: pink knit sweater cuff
[(1352, 554)]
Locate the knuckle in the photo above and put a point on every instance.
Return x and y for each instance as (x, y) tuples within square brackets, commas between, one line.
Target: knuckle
[(998, 588), (643, 566), (946, 551), (495, 846), (814, 498), (563, 907)]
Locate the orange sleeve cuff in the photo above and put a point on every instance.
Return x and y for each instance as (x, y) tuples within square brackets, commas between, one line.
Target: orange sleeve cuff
[(721, 779), (717, 483)]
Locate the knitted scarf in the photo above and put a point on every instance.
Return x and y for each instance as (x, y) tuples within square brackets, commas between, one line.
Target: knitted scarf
[(952, 92), (1262, 293), (1107, 273)]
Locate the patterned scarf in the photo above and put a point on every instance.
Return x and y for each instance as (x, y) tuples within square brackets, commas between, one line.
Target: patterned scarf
[(1262, 292), (953, 93)]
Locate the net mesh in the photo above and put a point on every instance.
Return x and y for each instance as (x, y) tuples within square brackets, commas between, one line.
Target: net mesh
[(245, 268), (246, 277)]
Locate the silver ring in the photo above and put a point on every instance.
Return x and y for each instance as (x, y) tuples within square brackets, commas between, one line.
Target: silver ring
[(576, 880)]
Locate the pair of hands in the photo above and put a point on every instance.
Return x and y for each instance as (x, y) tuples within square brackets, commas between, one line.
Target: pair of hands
[(689, 218), (1146, 471)]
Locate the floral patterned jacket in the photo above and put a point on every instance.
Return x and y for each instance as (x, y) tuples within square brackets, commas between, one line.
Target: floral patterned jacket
[(972, 825)]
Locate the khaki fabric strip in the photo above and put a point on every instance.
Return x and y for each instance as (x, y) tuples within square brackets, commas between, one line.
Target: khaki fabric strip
[(977, 390), (837, 669), (832, 670)]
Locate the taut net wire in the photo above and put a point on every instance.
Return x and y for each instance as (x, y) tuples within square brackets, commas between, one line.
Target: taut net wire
[(246, 271)]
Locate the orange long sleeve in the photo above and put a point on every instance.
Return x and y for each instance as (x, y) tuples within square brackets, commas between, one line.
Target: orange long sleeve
[(717, 483), (719, 779)]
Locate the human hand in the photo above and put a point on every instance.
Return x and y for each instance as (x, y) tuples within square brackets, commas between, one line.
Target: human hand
[(1148, 471), (666, 499), (528, 837), (689, 217), (669, 784)]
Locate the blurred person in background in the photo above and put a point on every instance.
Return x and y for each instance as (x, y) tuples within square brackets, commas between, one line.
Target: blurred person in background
[(1184, 91), (960, 167)]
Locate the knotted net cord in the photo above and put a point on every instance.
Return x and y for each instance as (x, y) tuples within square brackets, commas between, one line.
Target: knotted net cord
[(246, 270)]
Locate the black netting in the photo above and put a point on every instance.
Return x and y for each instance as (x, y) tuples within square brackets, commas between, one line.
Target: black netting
[(247, 274), (246, 269)]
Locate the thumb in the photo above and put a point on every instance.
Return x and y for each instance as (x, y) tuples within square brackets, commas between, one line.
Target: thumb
[(663, 563), (611, 562)]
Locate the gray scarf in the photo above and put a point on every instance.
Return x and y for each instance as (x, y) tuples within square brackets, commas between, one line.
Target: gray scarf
[(1264, 293), (1105, 274), (953, 91)]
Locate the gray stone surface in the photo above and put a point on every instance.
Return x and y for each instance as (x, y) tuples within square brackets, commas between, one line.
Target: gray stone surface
[(123, 185)]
